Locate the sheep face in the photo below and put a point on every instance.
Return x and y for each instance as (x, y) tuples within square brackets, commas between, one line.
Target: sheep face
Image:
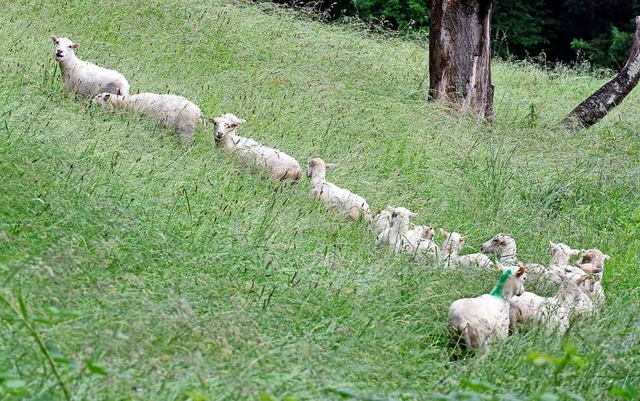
[(561, 253), (64, 48), (102, 99), (592, 261), (453, 242), (225, 124), (497, 244), (317, 164)]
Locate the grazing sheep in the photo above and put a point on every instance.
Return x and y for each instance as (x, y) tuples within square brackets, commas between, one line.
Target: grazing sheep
[(482, 320), (504, 247), (338, 199), (392, 233), (273, 162), (451, 247), (84, 78), (172, 111)]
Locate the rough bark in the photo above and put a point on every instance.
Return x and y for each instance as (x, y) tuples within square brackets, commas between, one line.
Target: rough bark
[(460, 55), (596, 106)]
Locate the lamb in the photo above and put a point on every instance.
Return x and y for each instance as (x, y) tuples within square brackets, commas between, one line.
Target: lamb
[(392, 233), (273, 162), (592, 264), (382, 220), (504, 246), (451, 247), (172, 111), (484, 319), (84, 78), (337, 199)]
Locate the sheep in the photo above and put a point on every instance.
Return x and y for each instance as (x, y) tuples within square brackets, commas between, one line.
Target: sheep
[(273, 162), (418, 242), (556, 312), (83, 78), (382, 220), (482, 320), (451, 247), (172, 111), (559, 264), (592, 264), (399, 224), (504, 247), (337, 199)]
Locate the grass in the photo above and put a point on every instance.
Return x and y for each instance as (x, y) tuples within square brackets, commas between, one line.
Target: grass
[(150, 273)]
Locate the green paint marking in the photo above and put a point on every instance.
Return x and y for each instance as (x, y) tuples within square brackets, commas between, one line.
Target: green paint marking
[(497, 290)]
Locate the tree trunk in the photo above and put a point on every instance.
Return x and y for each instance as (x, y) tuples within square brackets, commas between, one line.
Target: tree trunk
[(460, 54), (596, 106)]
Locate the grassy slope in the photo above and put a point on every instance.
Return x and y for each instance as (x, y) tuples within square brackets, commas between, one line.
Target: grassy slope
[(162, 263)]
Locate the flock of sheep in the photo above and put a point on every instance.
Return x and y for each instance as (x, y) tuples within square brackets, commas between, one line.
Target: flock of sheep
[(478, 321)]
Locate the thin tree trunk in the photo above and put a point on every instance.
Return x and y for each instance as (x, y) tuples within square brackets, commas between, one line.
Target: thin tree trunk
[(596, 106), (460, 54)]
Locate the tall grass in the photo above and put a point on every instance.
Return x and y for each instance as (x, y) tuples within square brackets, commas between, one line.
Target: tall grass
[(153, 273)]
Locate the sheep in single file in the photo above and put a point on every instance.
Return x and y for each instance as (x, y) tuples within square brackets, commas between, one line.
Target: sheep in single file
[(339, 200), (451, 247), (273, 162), (171, 111), (83, 78), (484, 319)]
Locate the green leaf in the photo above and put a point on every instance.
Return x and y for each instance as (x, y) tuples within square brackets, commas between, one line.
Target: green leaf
[(14, 384), (264, 396), (477, 386), (96, 369)]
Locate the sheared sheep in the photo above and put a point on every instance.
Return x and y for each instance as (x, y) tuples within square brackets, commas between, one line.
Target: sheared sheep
[(84, 78), (451, 247), (418, 242), (172, 111), (482, 320), (382, 220), (504, 247), (337, 199), (392, 234), (559, 266), (273, 162)]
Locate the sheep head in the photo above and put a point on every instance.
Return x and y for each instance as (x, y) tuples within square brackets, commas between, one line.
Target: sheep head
[(498, 244), (225, 124), (64, 48)]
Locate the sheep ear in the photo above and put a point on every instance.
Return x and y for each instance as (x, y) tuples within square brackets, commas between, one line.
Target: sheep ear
[(75, 45), (443, 232), (233, 125), (55, 40), (501, 240), (463, 238), (107, 96), (552, 244), (520, 271), (607, 257), (413, 214), (330, 165), (212, 120)]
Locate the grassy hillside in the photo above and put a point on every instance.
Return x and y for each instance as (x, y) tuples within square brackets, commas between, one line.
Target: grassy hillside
[(148, 273)]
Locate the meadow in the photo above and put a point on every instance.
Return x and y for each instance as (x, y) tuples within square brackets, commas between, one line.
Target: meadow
[(133, 270)]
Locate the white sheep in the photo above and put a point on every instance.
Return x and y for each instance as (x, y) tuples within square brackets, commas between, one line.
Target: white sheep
[(400, 221), (451, 247), (559, 267), (84, 78), (418, 242), (484, 319), (339, 200), (592, 264), (556, 312), (172, 111), (382, 220), (504, 247), (273, 162)]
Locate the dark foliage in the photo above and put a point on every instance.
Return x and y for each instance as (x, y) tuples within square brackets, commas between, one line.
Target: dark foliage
[(598, 31)]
